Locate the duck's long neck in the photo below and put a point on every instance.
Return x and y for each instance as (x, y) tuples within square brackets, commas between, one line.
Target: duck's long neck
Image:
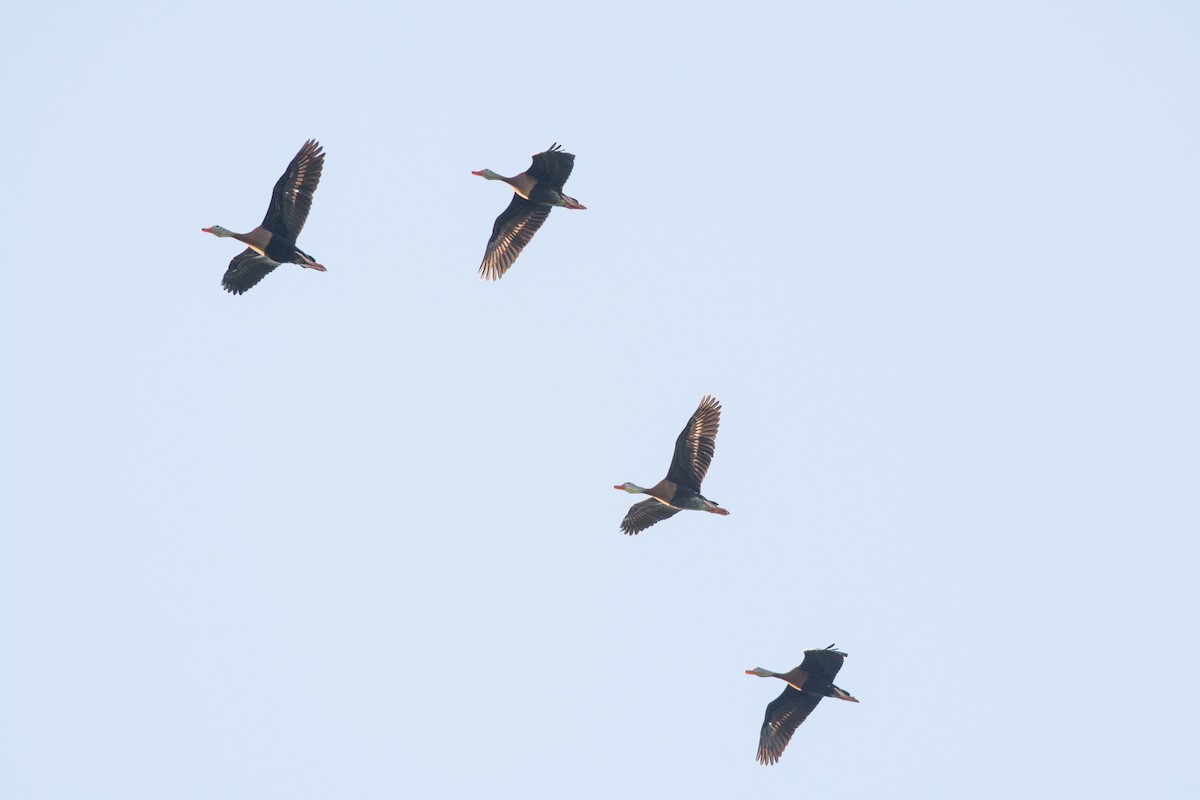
[(495, 176), (257, 239), (522, 184), (764, 673)]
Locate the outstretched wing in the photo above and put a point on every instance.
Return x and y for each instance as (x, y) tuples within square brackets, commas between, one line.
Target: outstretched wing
[(822, 665), (784, 715), (644, 514), (292, 196), (246, 269), (695, 445), (513, 230), (552, 167)]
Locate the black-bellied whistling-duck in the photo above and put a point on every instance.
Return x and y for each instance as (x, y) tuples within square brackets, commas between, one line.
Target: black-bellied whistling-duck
[(538, 189), (807, 684), (274, 242), (681, 488)]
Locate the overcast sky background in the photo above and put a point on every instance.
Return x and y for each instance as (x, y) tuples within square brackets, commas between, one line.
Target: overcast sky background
[(353, 534)]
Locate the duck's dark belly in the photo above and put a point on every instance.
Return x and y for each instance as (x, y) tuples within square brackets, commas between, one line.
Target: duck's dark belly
[(686, 498), (543, 195), (281, 250)]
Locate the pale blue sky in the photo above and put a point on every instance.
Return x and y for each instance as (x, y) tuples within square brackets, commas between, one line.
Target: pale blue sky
[(352, 534)]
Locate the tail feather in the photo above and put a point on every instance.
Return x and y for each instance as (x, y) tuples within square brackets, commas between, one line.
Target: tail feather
[(308, 261), (842, 694), (571, 202)]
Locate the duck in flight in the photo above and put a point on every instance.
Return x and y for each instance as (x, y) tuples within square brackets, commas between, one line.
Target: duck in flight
[(274, 242), (681, 488), (806, 685), (537, 190)]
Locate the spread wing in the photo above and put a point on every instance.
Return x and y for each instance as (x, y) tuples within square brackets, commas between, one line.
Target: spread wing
[(784, 715), (823, 665), (552, 167), (246, 269), (513, 230), (293, 193), (695, 445), (644, 514)]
